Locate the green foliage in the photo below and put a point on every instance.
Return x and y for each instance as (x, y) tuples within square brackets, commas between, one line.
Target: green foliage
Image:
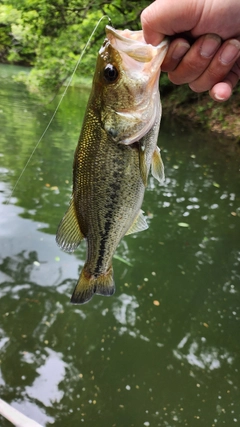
[(50, 35)]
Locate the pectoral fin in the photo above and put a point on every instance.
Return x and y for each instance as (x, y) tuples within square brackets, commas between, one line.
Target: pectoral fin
[(69, 234), (143, 164), (157, 166), (139, 224)]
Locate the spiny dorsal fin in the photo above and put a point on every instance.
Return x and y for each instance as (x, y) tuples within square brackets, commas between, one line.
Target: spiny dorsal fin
[(157, 166), (139, 224), (69, 234)]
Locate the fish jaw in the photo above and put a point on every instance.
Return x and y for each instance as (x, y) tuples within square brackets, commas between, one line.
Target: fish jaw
[(132, 44), (131, 106)]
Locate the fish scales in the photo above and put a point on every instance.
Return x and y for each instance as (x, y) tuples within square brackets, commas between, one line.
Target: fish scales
[(116, 148), (103, 216)]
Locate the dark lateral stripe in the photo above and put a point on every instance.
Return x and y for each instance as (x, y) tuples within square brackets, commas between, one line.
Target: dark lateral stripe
[(111, 206)]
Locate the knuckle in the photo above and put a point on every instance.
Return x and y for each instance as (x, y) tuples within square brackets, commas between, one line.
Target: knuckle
[(188, 72), (175, 78), (216, 74), (236, 69), (195, 87)]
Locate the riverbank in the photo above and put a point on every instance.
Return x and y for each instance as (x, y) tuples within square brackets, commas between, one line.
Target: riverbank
[(223, 118)]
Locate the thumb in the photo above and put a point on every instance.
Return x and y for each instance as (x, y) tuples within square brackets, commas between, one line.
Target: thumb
[(150, 25), (166, 18)]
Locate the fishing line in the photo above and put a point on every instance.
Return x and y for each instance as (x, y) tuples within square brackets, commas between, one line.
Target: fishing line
[(55, 112)]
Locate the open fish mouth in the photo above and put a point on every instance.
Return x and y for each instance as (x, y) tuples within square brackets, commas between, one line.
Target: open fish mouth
[(140, 65), (133, 44)]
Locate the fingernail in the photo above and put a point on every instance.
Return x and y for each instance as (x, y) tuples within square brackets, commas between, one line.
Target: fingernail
[(180, 49), (230, 52), (210, 45), (219, 98)]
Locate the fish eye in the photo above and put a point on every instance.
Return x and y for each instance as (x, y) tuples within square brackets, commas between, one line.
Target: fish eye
[(110, 73)]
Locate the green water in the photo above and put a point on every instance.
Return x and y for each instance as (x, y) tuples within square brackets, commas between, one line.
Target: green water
[(165, 349)]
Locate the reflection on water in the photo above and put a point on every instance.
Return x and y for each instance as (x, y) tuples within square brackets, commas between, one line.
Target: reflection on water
[(124, 309), (200, 355), (164, 350), (45, 387)]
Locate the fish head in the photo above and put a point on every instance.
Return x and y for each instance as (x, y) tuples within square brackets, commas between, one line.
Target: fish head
[(127, 82)]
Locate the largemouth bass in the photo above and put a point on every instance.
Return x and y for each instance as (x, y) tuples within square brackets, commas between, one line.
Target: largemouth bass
[(116, 148)]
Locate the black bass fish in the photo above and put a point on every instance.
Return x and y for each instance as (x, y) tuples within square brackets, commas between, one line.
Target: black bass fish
[(116, 148)]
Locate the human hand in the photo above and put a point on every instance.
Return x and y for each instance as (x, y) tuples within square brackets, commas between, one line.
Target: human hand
[(208, 63)]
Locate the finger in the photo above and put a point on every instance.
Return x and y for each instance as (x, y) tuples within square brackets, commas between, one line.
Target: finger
[(170, 17), (222, 91), (177, 49), (219, 67), (150, 24), (196, 60)]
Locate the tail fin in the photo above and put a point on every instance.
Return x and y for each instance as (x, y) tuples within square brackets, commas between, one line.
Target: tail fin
[(87, 286)]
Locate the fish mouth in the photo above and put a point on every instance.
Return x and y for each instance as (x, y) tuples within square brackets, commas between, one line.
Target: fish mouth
[(126, 34), (133, 44), (138, 58), (140, 62)]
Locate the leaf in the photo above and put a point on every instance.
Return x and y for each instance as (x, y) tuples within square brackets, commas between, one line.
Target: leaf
[(156, 302), (215, 184), (183, 224), (119, 258)]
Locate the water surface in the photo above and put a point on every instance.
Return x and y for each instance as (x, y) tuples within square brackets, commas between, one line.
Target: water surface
[(164, 350)]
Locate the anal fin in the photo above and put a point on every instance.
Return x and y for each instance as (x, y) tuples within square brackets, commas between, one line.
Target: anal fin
[(139, 224), (157, 166), (69, 234)]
